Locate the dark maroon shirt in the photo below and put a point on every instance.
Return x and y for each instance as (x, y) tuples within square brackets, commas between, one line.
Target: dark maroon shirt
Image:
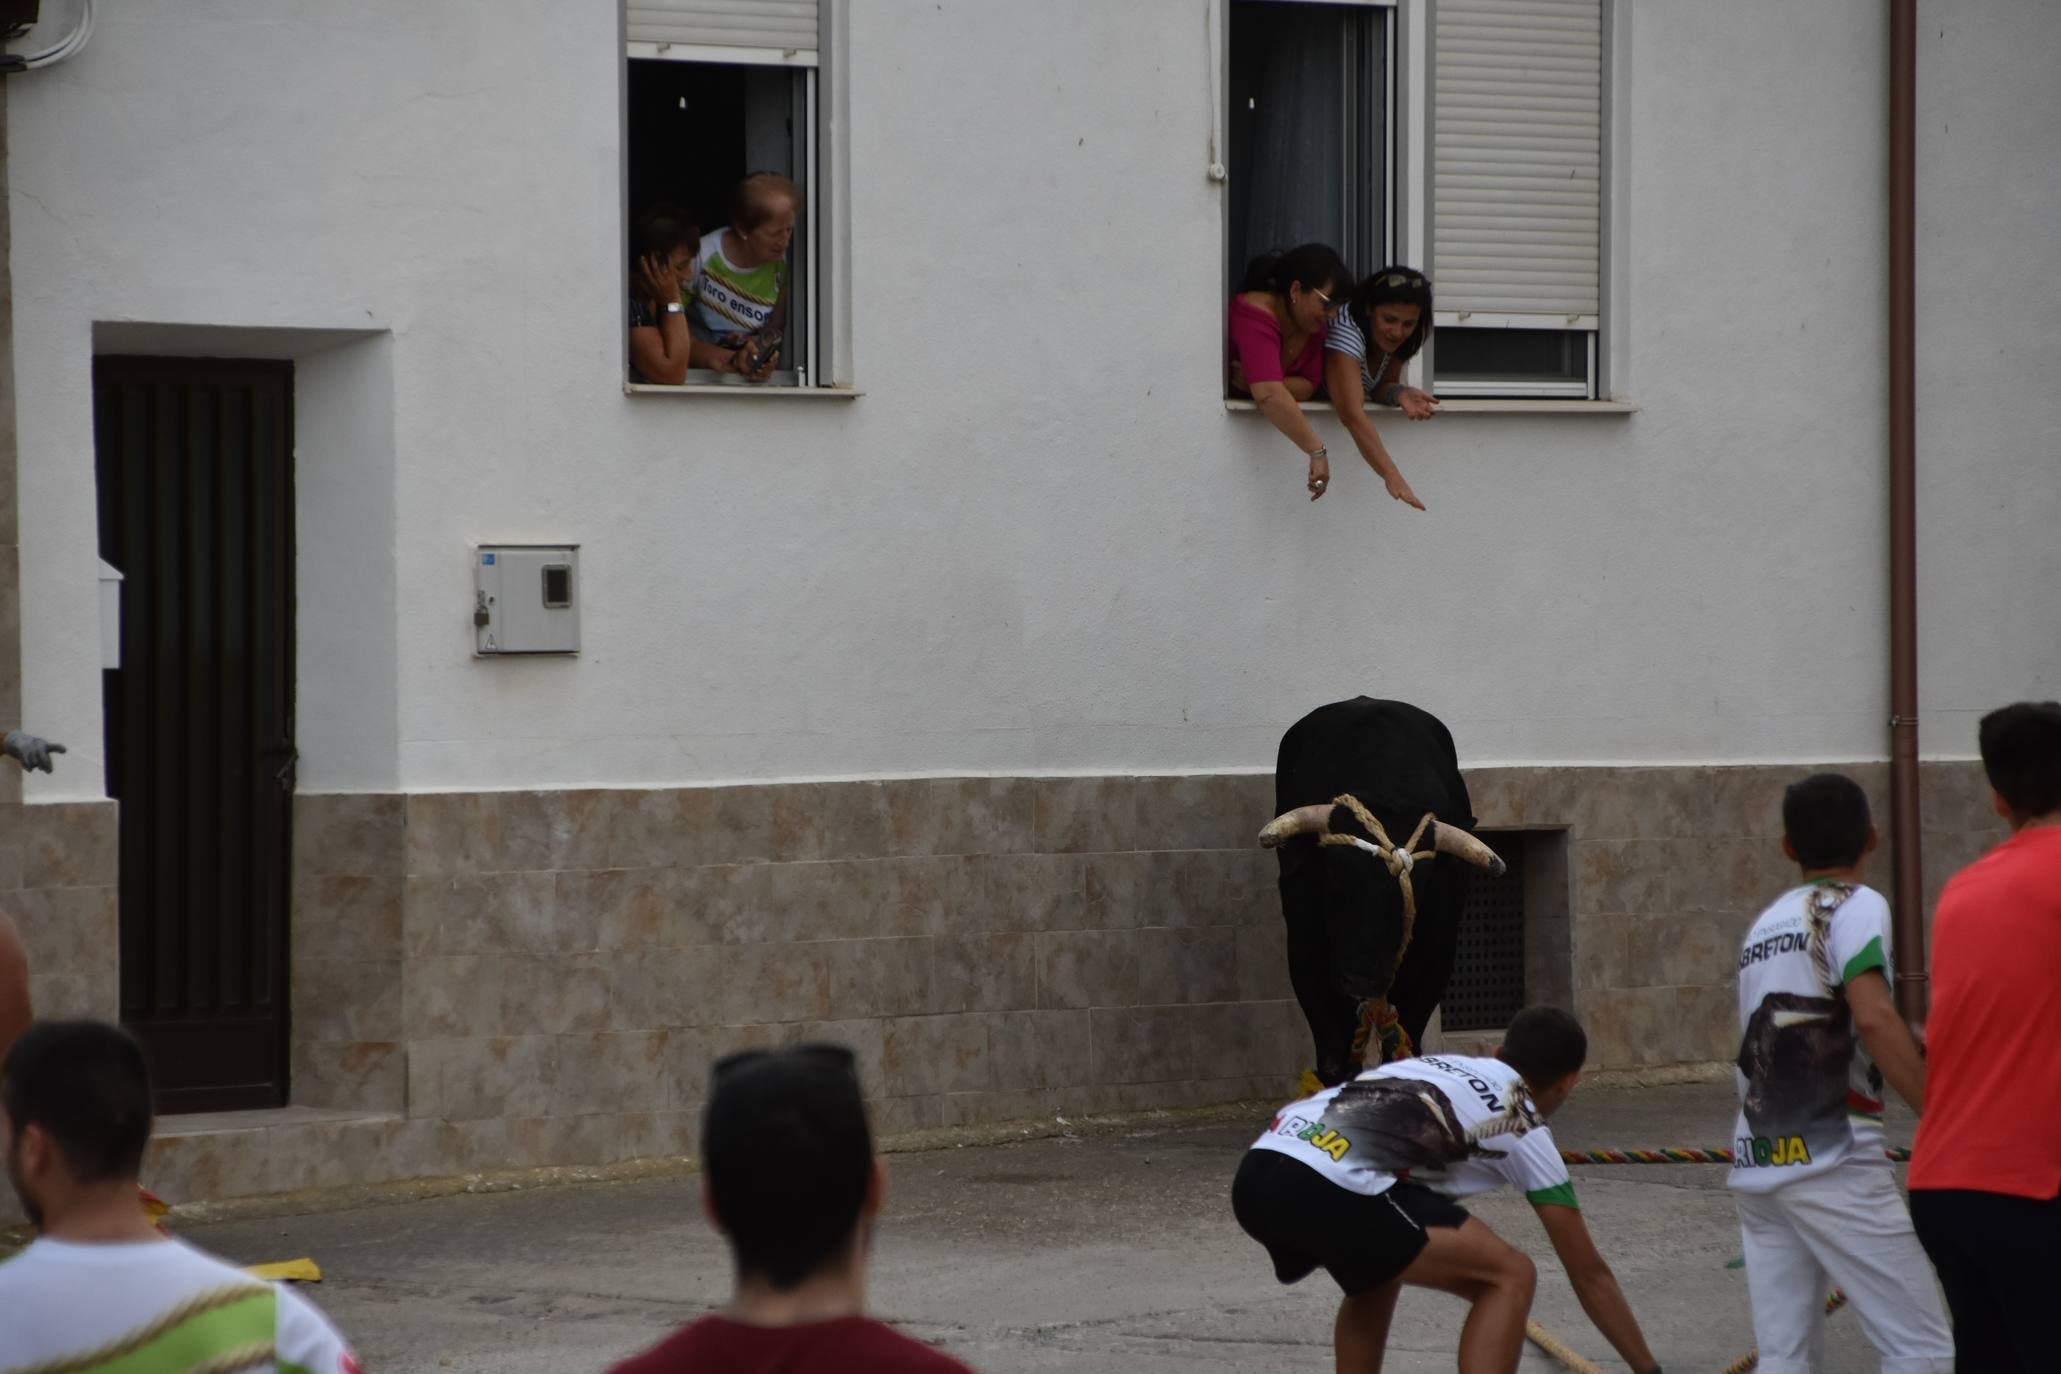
[(848, 1345)]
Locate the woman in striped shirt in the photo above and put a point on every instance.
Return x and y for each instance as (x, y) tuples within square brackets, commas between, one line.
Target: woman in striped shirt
[(1382, 327)]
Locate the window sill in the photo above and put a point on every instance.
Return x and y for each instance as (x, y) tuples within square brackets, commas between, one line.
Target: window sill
[(796, 393), (1477, 405)]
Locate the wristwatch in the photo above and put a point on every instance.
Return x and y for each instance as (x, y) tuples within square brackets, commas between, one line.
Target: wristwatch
[(675, 308)]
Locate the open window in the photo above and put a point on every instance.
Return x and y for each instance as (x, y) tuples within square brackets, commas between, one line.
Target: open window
[(1517, 198), (719, 90), (1310, 123)]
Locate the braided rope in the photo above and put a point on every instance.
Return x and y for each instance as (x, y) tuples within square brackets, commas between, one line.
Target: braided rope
[(1751, 1359), (1398, 859), (1560, 1350), (1375, 1011), (1818, 910), (1676, 1154), (1516, 1119), (195, 1305)]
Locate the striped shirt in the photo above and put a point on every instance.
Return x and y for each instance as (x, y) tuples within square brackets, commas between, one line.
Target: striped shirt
[(154, 1307), (1346, 338)]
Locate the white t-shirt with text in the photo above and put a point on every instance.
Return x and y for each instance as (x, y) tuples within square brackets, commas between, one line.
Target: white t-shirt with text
[(1467, 1091), (1809, 1096)]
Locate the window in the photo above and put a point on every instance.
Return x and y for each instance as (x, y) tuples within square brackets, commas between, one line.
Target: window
[(719, 90), (1517, 197), (1310, 128)]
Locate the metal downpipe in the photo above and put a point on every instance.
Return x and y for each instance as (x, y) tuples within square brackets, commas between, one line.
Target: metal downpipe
[(1905, 825)]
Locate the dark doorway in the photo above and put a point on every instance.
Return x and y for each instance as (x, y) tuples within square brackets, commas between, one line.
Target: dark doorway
[(195, 461)]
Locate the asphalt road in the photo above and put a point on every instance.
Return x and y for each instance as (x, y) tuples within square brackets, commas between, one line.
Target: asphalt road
[(1108, 1248)]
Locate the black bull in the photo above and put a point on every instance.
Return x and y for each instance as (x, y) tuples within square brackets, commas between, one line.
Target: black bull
[(1343, 908)]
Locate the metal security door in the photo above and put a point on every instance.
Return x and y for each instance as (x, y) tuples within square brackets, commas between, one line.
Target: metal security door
[(1487, 986), (195, 460)]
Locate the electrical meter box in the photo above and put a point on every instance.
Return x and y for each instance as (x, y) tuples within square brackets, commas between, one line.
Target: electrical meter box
[(526, 599)]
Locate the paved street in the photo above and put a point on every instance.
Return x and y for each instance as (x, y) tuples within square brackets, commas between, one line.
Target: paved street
[(1110, 1248)]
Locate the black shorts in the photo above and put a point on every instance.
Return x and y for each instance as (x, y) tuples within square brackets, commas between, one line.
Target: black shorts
[(1308, 1222)]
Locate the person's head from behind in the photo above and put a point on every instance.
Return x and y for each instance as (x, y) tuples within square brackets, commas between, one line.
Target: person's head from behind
[(1393, 310), (1548, 1046), (2021, 753), (1310, 281), (1826, 824), (75, 1098), (762, 219), (788, 1173), (666, 235)]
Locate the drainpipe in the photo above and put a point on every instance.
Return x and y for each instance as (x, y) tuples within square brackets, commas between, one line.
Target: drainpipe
[(1905, 831), (10, 608)]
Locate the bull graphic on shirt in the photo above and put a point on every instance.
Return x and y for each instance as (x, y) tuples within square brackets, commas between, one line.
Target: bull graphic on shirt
[(1797, 1058), (1399, 1124)]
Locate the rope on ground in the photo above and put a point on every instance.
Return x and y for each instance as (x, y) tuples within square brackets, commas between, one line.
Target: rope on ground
[(1675, 1154), (1559, 1350), (1751, 1359)]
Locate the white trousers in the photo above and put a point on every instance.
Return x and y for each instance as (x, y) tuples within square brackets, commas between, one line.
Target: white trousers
[(1846, 1228)]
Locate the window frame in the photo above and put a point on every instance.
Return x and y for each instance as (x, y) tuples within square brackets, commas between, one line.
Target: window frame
[(1606, 364), (1391, 105), (1516, 389), (820, 276)]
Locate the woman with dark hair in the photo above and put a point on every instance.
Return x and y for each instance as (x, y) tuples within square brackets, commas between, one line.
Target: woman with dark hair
[(663, 244), (1382, 328), (1275, 328)]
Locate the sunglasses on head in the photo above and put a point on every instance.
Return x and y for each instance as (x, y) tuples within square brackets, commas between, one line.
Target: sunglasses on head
[(816, 1054), (1408, 281)]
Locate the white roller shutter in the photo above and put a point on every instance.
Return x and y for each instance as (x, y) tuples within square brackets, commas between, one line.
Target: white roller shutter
[(766, 25), (1517, 134)]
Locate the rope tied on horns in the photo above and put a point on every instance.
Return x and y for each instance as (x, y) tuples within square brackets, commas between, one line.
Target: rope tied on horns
[(1401, 861)]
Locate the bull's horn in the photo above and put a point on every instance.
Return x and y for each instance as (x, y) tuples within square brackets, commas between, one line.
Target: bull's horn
[(1303, 820), (1451, 839)]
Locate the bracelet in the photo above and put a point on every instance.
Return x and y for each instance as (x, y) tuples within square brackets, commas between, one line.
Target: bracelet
[(1319, 452)]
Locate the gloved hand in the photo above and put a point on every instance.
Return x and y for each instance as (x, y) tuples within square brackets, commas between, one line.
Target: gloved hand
[(29, 751)]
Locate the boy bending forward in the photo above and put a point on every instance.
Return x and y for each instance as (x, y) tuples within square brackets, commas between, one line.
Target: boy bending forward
[(1361, 1180)]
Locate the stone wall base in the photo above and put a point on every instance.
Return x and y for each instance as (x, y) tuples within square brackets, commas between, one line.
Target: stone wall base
[(518, 979)]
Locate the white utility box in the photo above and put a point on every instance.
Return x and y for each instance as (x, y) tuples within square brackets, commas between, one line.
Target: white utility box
[(526, 599)]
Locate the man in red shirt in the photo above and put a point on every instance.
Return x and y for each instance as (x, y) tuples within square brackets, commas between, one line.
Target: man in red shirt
[(789, 1178), (1986, 1169)]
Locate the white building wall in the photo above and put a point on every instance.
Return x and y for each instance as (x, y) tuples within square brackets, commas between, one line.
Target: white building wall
[(1037, 542)]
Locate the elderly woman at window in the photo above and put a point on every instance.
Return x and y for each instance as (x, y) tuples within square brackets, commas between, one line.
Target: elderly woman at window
[(1382, 327), (1275, 328), (663, 245), (740, 299)]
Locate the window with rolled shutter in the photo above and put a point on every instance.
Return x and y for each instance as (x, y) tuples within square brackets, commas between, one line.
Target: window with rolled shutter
[(1517, 195), (786, 28), (718, 91)]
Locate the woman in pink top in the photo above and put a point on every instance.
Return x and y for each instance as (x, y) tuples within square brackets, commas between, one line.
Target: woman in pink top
[(1276, 327)]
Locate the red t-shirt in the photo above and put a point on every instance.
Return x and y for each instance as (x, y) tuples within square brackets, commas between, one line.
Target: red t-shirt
[(1255, 341), (1992, 1119), (848, 1345)]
